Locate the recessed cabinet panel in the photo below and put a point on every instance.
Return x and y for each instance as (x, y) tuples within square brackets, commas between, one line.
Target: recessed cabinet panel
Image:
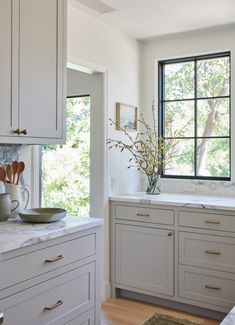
[(214, 252), (213, 287), (5, 66), (85, 319), (211, 221), (143, 214), (38, 70), (144, 258), (51, 301)]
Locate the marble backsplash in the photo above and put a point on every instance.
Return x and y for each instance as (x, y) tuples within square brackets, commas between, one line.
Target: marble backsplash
[(9, 152), (214, 188)]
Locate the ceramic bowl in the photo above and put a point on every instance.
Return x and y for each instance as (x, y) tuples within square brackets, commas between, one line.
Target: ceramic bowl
[(41, 215)]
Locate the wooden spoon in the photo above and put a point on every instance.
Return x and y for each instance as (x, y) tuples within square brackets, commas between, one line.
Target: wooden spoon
[(21, 168), (2, 175), (9, 173), (14, 169)]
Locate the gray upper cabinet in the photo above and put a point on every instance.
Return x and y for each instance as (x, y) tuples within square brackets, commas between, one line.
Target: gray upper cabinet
[(33, 71), (6, 27)]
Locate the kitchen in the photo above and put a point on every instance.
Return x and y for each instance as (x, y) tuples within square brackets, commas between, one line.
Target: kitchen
[(40, 40)]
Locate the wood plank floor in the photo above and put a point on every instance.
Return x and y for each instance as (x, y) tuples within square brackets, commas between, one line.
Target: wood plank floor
[(121, 311)]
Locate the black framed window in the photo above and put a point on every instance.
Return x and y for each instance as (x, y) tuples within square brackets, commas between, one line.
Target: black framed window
[(194, 114)]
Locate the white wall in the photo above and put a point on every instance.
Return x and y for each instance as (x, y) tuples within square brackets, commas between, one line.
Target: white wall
[(78, 83), (91, 40), (188, 45), (93, 43)]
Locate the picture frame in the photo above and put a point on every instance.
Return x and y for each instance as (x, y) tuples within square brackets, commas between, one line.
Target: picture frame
[(126, 117)]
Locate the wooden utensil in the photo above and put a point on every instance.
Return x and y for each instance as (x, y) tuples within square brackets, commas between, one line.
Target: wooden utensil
[(9, 173), (14, 169), (21, 168), (2, 174)]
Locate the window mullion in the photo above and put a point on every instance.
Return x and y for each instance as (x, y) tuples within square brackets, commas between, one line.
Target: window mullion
[(195, 117)]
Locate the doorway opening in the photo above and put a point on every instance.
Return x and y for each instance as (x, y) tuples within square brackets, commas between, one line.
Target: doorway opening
[(65, 172)]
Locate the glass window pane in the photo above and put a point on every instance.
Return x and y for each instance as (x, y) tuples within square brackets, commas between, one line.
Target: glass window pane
[(179, 119), (179, 81), (213, 157), (213, 77), (182, 162), (213, 117)]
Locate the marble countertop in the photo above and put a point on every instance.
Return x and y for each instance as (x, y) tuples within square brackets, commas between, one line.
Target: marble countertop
[(15, 233), (182, 200), (230, 318)]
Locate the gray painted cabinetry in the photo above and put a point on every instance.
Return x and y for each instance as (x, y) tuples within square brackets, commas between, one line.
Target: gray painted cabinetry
[(32, 71), (55, 282), (176, 254)]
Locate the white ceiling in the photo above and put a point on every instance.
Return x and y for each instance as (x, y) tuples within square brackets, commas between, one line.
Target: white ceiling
[(150, 18)]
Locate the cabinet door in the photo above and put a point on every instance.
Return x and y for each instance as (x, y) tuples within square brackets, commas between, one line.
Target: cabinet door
[(6, 58), (144, 258), (41, 42)]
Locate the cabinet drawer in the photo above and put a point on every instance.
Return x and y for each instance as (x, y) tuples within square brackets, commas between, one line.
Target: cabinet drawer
[(207, 251), (27, 266), (143, 214), (84, 319), (207, 221), (72, 292), (214, 287)]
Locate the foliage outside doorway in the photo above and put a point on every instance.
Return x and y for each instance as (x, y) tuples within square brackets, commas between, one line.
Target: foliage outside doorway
[(66, 168)]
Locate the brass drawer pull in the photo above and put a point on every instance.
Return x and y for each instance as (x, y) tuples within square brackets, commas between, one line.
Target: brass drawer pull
[(142, 215), (212, 222), (212, 252), (208, 286), (57, 304), (59, 257)]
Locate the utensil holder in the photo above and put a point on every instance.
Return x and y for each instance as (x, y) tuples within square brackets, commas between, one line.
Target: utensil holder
[(19, 193)]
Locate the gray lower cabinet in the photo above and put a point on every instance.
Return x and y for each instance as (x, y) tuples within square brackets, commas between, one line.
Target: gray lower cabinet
[(176, 253), (53, 283), (144, 258)]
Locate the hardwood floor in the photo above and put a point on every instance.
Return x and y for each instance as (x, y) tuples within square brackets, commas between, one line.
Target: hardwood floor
[(128, 312)]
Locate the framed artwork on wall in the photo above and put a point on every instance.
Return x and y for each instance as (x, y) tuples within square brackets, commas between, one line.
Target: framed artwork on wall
[(126, 117)]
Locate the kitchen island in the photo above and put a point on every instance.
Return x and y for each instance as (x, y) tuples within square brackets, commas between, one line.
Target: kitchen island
[(50, 273)]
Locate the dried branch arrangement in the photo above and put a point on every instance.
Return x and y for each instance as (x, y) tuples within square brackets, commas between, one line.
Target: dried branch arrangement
[(150, 153)]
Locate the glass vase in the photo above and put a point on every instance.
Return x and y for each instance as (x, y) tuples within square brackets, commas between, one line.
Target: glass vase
[(153, 185)]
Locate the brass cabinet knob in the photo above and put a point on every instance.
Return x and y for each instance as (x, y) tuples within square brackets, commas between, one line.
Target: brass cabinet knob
[(19, 132)]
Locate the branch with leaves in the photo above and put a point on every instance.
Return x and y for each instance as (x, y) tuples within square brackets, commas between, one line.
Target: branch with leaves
[(150, 152)]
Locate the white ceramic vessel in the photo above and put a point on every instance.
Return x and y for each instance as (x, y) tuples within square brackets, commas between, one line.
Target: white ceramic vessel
[(19, 193)]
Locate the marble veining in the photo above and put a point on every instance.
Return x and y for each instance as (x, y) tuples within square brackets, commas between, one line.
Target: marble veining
[(15, 234), (9, 152), (230, 318), (183, 200)]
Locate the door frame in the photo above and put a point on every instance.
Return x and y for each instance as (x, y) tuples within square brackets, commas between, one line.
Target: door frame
[(101, 206)]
